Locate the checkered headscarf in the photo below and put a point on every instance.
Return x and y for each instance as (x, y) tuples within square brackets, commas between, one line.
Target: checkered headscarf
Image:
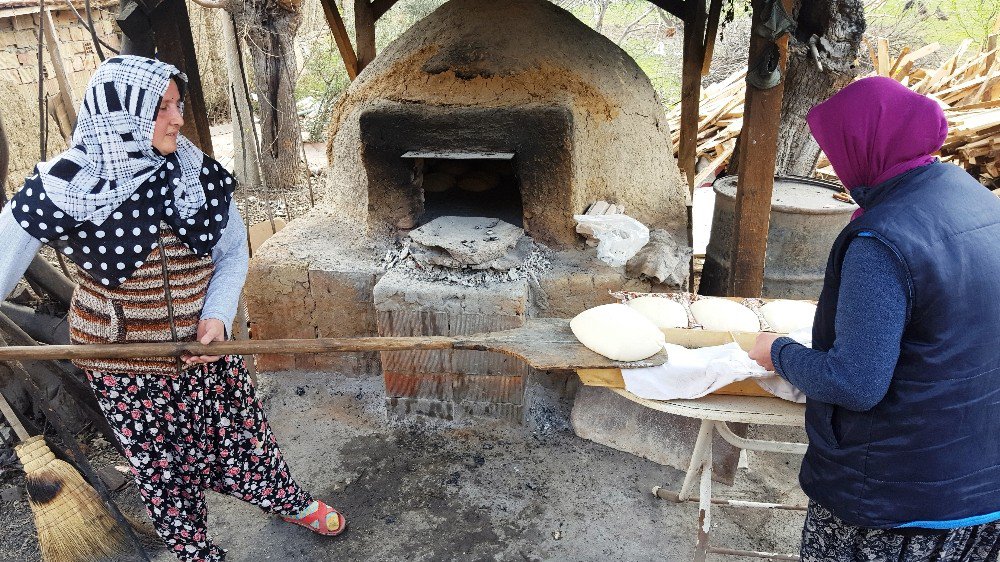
[(113, 143), (102, 201)]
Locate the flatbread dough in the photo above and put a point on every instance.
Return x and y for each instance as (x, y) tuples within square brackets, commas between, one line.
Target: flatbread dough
[(617, 332), (724, 315), (662, 312), (786, 316)]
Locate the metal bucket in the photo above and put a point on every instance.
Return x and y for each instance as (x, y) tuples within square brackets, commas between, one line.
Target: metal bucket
[(805, 220)]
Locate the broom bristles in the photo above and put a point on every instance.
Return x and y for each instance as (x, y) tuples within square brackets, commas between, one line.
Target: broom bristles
[(73, 523)]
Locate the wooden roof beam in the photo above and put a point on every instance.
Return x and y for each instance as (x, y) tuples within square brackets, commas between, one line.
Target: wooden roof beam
[(380, 7), (339, 30), (677, 8)]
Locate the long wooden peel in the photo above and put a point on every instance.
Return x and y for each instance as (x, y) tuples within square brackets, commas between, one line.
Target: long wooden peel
[(543, 343)]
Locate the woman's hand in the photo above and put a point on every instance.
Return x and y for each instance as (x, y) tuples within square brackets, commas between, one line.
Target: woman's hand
[(761, 351), (209, 330)]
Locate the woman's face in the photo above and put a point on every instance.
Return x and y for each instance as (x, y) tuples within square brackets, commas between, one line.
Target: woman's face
[(168, 121)]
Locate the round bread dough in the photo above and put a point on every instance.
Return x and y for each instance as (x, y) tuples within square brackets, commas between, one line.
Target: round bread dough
[(617, 332), (478, 181), (438, 182), (724, 315), (662, 312), (786, 316)]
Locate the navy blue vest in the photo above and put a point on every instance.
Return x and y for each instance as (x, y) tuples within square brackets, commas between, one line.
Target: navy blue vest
[(930, 450)]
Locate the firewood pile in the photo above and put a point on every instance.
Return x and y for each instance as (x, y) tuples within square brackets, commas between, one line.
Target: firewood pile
[(966, 84)]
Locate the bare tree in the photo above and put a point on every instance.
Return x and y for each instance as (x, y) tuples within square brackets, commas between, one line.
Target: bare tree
[(821, 61), (268, 28)]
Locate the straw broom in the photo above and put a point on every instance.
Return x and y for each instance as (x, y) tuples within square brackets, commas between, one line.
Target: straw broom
[(73, 523)]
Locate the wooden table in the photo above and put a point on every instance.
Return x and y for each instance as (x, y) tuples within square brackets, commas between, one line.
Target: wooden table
[(715, 412)]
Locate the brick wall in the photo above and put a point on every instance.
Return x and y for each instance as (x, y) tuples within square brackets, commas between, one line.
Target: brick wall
[(19, 80)]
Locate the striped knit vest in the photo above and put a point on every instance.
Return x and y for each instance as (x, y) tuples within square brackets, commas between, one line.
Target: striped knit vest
[(136, 310)]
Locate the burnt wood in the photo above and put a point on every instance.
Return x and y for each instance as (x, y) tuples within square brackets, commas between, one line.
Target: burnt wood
[(44, 276)]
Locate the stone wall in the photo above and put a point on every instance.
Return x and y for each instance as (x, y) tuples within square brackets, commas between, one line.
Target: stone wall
[(19, 79)]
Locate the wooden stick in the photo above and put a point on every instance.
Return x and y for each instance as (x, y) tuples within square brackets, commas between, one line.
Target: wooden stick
[(56, 58), (233, 347)]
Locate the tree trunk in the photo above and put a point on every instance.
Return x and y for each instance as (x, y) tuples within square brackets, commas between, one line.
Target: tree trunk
[(247, 159), (838, 26), (269, 30)]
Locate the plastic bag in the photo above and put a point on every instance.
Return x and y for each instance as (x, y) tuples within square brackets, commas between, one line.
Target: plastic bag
[(619, 236)]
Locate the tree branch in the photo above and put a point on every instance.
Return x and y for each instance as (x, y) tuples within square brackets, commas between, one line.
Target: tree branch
[(630, 28)]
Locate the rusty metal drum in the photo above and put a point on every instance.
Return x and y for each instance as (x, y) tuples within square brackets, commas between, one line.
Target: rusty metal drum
[(805, 220)]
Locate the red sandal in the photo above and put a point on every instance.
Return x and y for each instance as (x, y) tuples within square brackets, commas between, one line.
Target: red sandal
[(317, 517)]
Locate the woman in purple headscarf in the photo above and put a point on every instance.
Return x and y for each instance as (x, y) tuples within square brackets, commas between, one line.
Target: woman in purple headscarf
[(903, 377)]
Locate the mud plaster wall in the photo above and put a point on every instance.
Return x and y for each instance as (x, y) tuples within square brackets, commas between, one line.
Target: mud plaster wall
[(19, 79), (525, 54)]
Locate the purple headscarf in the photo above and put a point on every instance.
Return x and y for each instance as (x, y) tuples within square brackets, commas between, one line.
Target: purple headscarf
[(875, 129)]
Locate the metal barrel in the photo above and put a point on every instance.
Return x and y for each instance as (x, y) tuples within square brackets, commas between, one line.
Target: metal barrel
[(805, 220)]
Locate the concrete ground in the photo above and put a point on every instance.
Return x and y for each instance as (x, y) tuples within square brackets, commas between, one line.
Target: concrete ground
[(432, 491)]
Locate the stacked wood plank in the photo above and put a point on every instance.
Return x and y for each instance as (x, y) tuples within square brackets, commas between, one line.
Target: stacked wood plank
[(966, 84), (719, 123)]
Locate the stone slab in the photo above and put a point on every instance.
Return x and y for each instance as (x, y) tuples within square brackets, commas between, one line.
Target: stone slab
[(464, 241)]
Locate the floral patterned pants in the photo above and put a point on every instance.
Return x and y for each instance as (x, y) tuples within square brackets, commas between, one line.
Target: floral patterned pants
[(827, 538), (202, 430)]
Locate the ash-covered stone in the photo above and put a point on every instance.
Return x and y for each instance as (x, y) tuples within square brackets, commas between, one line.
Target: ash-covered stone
[(532, 260), (470, 242)]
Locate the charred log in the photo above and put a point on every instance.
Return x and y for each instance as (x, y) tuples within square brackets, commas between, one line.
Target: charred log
[(51, 282), (44, 328)]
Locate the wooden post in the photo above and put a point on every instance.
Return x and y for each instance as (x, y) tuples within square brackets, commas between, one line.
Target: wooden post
[(694, 56), (175, 45), (339, 31), (691, 71), (55, 55), (246, 163), (364, 31), (711, 31), (758, 149)]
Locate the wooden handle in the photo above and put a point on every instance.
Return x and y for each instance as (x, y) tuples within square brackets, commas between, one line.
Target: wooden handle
[(8, 413), (234, 347)]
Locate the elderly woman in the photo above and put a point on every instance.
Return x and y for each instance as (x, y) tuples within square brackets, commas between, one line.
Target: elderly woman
[(903, 378), (149, 221)]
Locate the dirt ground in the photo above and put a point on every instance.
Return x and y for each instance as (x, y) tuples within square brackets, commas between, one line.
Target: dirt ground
[(433, 491), (430, 491)]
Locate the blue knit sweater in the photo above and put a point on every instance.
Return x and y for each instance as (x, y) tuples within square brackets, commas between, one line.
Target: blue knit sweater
[(871, 315)]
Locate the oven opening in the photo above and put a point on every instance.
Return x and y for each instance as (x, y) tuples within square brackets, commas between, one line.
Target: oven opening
[(468, 184)]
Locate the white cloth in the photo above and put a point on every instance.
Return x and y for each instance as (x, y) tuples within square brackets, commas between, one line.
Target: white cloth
[(693, 373)]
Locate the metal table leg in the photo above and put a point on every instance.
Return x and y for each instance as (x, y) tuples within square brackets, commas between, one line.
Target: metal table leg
[(701, 463)]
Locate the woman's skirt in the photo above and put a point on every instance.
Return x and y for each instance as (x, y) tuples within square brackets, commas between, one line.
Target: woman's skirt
[(827, 538)]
